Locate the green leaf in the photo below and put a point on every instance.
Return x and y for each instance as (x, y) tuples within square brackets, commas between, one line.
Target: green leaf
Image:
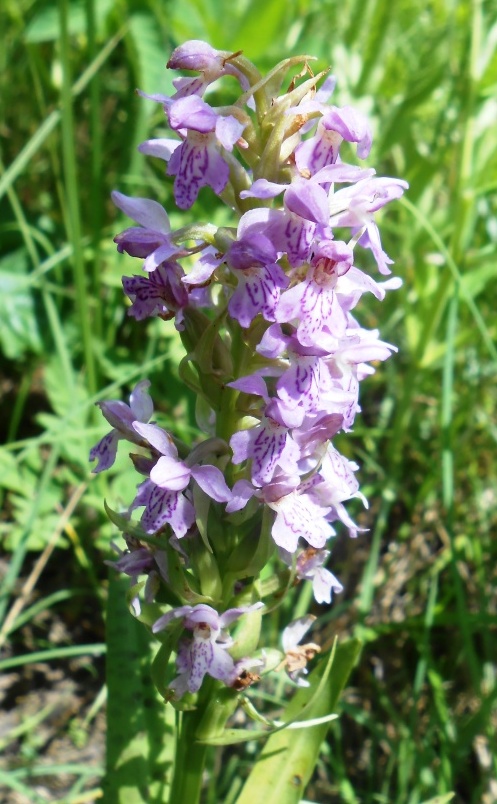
[(45, 25), (10, 475), (150, 56), (260, 28), (476, 280), (441, 799), (287, 761), (140, 727), (69, 400), (133, 529), (19, 332), (236, 736)]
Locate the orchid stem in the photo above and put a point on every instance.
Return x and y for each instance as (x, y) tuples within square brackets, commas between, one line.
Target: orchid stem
[(189, 762)]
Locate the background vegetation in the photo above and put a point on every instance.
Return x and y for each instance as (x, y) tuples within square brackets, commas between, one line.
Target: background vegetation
[(419, 716)]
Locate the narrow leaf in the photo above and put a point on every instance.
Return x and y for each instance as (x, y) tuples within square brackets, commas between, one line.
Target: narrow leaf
[(140, 727), (288, 759)]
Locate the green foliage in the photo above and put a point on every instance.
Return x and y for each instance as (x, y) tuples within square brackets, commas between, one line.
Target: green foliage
[(288, 758), (140, 729), (19, 330), (45, 25)]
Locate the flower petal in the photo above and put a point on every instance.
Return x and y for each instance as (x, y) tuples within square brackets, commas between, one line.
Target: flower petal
[(157, 438), (145, 211), (140, 402), (171, 474), (294, 632), (211, 480), (105, 451)]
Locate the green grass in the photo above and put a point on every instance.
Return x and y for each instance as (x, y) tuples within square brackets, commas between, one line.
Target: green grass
[(418, 718)]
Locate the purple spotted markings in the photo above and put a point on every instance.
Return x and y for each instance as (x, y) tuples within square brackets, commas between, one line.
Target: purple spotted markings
[(206, 650)]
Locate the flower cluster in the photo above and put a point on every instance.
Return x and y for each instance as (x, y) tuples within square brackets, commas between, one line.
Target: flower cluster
[(265, 310)]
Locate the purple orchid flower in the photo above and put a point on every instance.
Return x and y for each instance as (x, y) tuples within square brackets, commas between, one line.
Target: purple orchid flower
[(312, 438), (161, 293), (359, 347), (196, 162), (305, 210), (297, 514), (314, 301), (269, 445), (201, 57), (352, 353), (292, 229), (121, 417), (336, 124), (133, 562), (163, 507), (138, 561), (279, 288), (337, 484), (151, 240), (310, 566), (206, 652), (260, 279), (355, 207), (305, 387), (162, 494), (297, 656), (352, 285), (202, 271)]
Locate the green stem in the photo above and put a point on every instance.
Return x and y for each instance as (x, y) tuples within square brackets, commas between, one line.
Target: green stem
[(215, 705), (227, 419), (189, 763), (96, 211)]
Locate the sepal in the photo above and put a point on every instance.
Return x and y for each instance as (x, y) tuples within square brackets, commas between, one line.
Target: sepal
[(205, 566), (207, 353), (254, 551), (271, 83), (247, 634), (179, 580)]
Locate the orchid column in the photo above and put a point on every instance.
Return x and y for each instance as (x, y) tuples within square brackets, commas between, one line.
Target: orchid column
[(275, 356)]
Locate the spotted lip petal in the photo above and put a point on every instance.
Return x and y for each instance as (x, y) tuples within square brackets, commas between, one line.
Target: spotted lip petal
[(206, 653), (164, 507)]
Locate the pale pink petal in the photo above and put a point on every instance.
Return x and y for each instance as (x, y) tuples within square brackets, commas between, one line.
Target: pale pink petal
[(157, 438), (171, 474)]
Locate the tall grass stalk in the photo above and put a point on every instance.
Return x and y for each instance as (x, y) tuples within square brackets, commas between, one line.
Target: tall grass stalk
[(74, 211)]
